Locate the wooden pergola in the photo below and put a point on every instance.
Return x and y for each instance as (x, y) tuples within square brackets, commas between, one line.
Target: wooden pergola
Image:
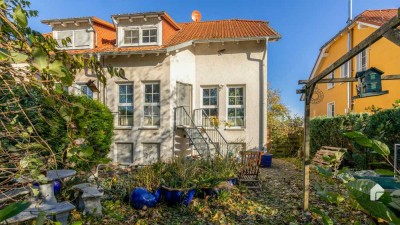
[(388, 30)]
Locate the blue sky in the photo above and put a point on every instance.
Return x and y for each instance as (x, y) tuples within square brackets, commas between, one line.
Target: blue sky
[(305, 26)]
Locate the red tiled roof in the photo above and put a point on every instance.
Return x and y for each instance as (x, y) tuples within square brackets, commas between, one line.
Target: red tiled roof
[(207, 30), (377, 17), (220, 29)]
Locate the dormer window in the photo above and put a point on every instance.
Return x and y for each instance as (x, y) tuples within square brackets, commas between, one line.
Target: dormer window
[(80, 39), (131, 36), (149, 35), (139, 35)]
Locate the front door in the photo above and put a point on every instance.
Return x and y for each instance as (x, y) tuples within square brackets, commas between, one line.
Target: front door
[(184, 95)]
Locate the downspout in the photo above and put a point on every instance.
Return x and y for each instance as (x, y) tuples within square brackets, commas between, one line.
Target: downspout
[(263, 99), (349, 63)]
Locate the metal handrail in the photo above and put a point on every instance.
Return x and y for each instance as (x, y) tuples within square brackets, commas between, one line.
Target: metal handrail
[(218, 138), (192, 125)]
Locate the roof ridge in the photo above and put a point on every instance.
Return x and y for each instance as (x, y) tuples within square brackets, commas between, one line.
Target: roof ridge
[(224, 20)]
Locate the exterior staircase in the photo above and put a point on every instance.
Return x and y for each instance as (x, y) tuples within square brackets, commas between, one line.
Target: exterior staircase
[(201, 131)]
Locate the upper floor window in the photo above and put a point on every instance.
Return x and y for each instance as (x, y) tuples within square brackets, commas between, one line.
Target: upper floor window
[(131, 36), (235, 106), (331, 109), (138, 35), (345, 70), (152, 104), (79, 39), (149, 35), (331, 76), (362, 61)]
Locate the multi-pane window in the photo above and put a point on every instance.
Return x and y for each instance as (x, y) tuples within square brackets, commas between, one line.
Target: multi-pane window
[(210, 101), (345, 70), (63, 35), (125, 105), (236, 106), (331, 109), (131, 36), (86, 91), (152, 104), (331, 76), (362, 61), (149, 35)]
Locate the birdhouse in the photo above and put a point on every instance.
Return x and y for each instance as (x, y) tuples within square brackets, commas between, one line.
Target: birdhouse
[(369, 83)]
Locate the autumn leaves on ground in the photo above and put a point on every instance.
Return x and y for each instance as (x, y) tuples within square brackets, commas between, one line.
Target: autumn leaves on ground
[(280, 202)]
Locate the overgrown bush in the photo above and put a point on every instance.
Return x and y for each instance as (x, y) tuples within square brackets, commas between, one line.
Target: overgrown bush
[(91, 126), (383, 125)]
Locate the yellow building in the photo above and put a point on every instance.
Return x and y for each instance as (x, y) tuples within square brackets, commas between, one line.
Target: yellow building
[(332, 99)]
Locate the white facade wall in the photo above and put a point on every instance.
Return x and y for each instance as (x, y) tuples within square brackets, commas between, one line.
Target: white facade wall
[(201, 65)]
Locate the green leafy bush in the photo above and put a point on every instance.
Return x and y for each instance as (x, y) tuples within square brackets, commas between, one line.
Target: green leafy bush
[(384, 125), (84, 119)]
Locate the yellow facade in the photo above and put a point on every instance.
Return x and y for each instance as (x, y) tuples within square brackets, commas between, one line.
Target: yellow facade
[(384, 55)]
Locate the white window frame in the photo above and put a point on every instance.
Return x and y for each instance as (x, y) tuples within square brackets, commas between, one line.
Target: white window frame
[(345, 70), (210, 106), (140, 29), (148, 28), (236, 106), (151, 104), (126, 104), (329, 111), (330, 76), (359, 57), (55, 35)]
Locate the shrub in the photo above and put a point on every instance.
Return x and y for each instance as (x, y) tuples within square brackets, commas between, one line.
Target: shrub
[(384, 125), (84, 119)]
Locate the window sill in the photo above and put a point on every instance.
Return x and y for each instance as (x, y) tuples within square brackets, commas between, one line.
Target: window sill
[(235, 129), (124, 128), (149, 128)]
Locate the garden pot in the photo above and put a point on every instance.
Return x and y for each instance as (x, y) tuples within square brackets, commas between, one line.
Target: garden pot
[(174, 196), (140, 197)]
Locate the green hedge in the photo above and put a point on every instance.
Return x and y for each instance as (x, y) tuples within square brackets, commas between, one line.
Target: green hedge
[(383, 125), (91, 121)]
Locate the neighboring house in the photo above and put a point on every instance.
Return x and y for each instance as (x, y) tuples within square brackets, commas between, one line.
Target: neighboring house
[(332, 99), (172, 70)]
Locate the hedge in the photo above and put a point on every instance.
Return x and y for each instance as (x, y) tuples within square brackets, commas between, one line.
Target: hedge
[(383, 125)]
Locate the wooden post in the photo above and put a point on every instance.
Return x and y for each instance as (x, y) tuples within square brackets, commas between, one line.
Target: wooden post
[(306, 155)]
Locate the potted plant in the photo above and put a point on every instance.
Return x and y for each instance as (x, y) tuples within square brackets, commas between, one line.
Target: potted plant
[(178, 181), (146, 191)]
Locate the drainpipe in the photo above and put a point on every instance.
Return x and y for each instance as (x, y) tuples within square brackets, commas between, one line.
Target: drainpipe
[(349, 43), (263, 100)]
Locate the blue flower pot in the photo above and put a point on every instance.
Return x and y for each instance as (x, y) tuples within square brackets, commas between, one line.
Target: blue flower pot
[(141, 197), (179, 196)]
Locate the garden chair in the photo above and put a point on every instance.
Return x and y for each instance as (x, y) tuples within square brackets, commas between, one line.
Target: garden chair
[(250, 171)]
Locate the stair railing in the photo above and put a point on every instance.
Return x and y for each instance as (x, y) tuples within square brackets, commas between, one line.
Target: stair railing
[(210, 125), (183, 119)]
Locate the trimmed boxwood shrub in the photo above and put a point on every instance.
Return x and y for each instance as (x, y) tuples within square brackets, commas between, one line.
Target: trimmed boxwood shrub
[(87, 119), (383, 125)]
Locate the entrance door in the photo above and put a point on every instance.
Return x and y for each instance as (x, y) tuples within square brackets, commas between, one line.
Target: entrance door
[(184, 95)]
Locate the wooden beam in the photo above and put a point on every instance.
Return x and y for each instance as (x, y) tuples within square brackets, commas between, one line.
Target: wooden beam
[(393, 36), (351, 79), (374, 37), (306, 149)]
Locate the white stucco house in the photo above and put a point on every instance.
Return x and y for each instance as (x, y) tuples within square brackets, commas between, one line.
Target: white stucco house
[(190, 88)]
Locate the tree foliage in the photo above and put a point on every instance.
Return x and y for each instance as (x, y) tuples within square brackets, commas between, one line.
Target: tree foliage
[(285, 130), (30, 61)]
